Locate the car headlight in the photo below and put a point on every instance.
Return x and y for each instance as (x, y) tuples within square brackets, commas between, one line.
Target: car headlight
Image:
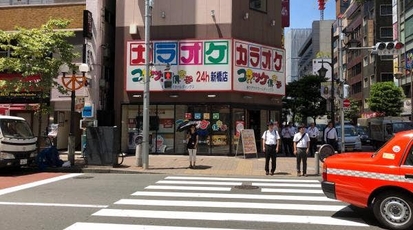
[(6, 156)]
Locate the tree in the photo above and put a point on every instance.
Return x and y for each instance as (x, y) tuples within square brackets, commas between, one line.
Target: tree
[(36, 52), (354, 111), (386, 98), (312, 104), (304, 99)]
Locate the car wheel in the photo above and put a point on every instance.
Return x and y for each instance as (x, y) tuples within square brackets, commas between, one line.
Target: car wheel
[(394, 210)]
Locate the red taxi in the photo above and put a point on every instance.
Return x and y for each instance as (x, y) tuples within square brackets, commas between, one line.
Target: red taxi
[(382, 181)]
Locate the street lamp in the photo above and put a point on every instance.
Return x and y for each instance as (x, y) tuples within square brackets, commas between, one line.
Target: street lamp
[(73, 83)]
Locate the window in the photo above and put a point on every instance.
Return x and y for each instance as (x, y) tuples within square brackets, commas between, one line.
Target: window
[(259, 5), (387, 77), (386, 10), (409, 27), (386, 32)]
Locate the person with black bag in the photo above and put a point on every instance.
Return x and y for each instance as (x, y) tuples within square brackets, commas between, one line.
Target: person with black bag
[(330, 136), (270, 146), (192, 143), (301, 149)]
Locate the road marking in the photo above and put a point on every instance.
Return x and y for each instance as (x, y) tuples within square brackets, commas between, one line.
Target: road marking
[(37, 183), (199, 182), (219, 216), (102, 226), (286, 185), (54, 205), (192, 188), (234, 196), (280, 190), (240, 179), (245, 205)]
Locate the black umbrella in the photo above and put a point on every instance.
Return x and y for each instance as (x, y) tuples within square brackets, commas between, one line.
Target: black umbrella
[(186, 125)]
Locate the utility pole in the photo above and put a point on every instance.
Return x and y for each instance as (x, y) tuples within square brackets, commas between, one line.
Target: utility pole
[(341, 77), (146, 92)]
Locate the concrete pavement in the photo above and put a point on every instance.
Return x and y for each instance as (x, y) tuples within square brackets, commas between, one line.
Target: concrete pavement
[(205, 165)]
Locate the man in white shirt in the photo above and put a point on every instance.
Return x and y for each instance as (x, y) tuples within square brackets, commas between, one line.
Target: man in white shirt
[(301, 149), (270, 145), (313, 132), (287, 134), (330, 136)]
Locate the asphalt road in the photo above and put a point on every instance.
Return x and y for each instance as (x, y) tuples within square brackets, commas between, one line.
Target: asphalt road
[(130, 201)]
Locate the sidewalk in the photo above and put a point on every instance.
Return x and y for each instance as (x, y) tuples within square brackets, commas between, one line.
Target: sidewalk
[(205, 165)]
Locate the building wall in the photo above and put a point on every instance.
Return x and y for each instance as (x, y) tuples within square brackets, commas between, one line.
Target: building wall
[(294, 39), (29, 16)]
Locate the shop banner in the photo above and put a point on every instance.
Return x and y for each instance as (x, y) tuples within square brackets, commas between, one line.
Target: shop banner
[(258, 68), (196, 65)]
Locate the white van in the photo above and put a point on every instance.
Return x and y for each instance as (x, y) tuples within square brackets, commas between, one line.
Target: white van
[(17, 142), (352, 141)]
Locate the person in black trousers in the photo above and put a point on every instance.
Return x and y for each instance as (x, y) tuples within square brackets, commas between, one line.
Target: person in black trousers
[(270, 145)]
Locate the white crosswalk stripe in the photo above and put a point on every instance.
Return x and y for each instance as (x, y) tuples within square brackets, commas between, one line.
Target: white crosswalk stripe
[(177, 201)]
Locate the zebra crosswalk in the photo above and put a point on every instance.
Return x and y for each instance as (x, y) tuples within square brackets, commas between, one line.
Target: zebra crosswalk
[(225, 203)]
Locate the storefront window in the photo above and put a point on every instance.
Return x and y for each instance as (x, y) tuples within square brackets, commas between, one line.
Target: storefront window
[(238, 120), (163, 138), (220, 124)]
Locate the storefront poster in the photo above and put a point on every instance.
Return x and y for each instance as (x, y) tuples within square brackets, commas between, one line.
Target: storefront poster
[(248, 141), (239, 126), (197, 116), (258, 68), (188, 116), (218, 140), (195, 64)]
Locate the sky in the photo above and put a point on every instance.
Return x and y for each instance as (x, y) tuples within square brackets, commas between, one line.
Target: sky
[(304, 12)]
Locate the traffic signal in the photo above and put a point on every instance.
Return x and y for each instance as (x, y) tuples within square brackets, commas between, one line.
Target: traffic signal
[(167, 79), (321, 4), (389, 48)]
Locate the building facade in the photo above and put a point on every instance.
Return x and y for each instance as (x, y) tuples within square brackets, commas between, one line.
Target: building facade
[(317, 45), (227, 71), (294, 39), (96, 49)]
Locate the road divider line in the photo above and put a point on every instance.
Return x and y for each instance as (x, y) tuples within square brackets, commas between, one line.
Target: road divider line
[(191, 188), (287, 185), (199, 182), (37, 183), (280, 190), (243, 205), (55, 205), (233, 196), (240, 179), (219, 216), (105, 226)]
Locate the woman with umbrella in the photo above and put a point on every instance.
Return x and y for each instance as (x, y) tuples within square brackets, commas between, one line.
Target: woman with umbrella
[(192, 143)]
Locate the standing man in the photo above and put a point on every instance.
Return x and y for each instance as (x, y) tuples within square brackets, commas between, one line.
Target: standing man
[(287, 134), (330, 136), (313, 132), (301, 149), (270, 145)]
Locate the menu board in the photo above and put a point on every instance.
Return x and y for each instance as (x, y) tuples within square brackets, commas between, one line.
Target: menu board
[(247, 142)]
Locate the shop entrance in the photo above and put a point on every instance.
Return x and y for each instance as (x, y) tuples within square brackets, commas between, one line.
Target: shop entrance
[(255, 124)]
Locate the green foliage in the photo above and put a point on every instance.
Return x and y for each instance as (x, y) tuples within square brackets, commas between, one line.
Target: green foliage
[(354, 112), (387, 98), (303, 97), (38, 51)]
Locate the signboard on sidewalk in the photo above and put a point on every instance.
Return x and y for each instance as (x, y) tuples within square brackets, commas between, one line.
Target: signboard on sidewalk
[(247, 142)]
